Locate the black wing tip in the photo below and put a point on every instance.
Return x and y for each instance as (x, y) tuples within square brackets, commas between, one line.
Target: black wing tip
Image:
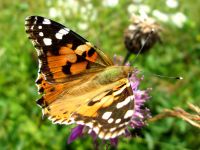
[(33, 17), (29, 20)]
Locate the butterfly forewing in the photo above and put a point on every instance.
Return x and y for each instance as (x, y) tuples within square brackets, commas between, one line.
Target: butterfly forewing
[(61, 52), (78, 81)]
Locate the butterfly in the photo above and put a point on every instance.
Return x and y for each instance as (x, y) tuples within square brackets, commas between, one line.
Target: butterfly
[(78, 82)]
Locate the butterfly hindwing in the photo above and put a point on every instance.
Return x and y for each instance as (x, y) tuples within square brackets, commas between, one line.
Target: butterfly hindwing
[(108, 113), (62, 53)]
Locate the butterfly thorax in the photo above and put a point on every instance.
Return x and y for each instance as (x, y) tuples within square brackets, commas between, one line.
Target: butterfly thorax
[(113, 74)]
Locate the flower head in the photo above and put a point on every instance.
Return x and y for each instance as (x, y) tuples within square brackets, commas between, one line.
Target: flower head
[(137, 33)]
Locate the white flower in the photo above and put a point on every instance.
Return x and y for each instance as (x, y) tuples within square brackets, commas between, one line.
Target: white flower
[(93, 15), (83, 10), (160, 15), (73, 5), (144, 8), (132, 8), (60, 3), (143, 14), (53, 12), (89, 6), (172, 3), (2, 51), (110, 3), (83, 26), (179, 19), (137, 1), (49, 2)]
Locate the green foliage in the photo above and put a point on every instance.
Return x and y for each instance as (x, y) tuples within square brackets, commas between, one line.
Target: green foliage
[(20, 119)]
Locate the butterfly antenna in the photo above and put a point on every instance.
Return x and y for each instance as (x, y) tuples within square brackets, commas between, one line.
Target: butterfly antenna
[(169, 77), (157, 75), (163, 76)]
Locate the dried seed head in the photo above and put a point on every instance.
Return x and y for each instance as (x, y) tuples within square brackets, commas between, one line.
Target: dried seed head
[(142, 31)]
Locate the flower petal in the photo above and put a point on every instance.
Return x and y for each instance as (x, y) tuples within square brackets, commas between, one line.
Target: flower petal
[(114, 141), (93, 135), (76, 132)]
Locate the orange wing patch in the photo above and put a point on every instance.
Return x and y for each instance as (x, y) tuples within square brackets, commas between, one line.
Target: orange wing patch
[(69, 62), (78, 67), (51, 91)]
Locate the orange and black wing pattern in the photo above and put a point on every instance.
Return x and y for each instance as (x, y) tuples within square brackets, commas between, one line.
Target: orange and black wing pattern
[(62, 53), (65, 58)]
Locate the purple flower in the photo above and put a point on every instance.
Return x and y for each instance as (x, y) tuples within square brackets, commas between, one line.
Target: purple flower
[(76, 132), (139, 117), (114, 141)]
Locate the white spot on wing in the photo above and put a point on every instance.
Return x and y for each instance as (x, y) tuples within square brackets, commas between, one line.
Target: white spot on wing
[(41, 34), (114, 134), (119, 91), (128, 114), (125, 102), (106, 115), (39, 27), (126, 123), (120, 132), (122, 89), (121, 125), (35, 20), (96, 130), (110, 120), (112, 129), (47, 41), (101, 134), (118, 120), (46, 21), (59, 36), (107, 136), (62, 32), (58, 122)]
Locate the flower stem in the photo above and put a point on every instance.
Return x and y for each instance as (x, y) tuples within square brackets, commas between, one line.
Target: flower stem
[(128, 54), (193, 119)]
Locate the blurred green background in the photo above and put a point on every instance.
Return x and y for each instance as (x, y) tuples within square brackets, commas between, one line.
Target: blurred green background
[(103, 23)]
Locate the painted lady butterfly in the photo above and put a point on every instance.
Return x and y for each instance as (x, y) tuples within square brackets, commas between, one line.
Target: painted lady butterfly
[(78, 82)]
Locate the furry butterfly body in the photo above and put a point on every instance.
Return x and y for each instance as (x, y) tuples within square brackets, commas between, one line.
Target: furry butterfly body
[(78, 82)]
